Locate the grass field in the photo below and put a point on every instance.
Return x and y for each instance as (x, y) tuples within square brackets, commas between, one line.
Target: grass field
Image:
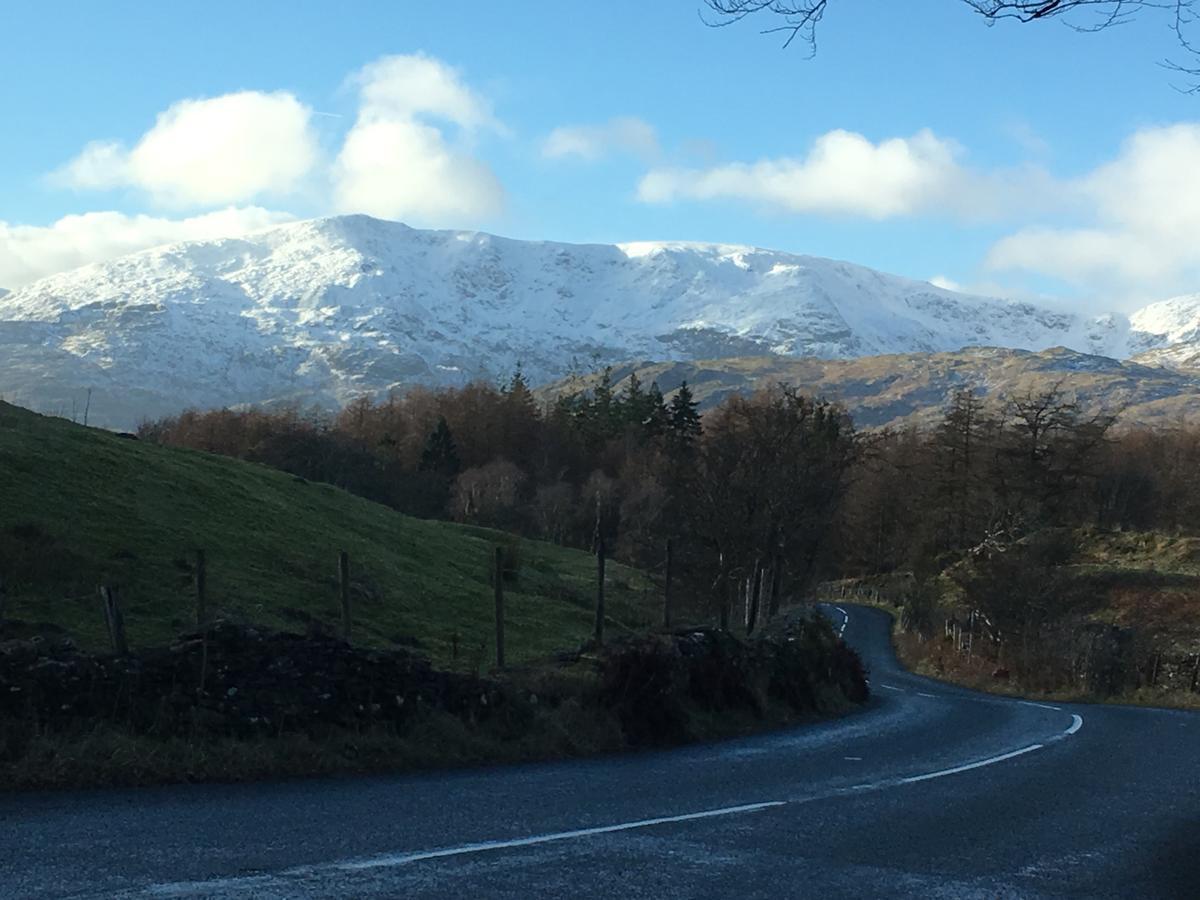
[(80, 507)]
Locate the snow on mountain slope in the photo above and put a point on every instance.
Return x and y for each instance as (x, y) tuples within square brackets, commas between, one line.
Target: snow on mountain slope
[(322, 310), (1168, 333)]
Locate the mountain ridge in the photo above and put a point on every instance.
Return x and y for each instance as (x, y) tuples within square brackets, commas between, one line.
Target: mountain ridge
[(902, 390), (322, 310)]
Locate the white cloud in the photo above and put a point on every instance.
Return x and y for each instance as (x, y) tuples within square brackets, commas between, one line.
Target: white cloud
[(221, 150), (29, 252), (404, 169), (1139, 231), (407, 155), (843, 173), (624, 134), (408, 87), (395, 163), (946, 284)]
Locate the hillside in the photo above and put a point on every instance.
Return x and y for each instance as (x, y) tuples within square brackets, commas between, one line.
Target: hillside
[(81, 506), (324, 310), (1123, 625), (903, 389)]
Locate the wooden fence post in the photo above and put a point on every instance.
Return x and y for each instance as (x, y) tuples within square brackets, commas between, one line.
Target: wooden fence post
[(600, 592), (344, 590), (115, 621), (201, 589), (499, 591), (666, 589)]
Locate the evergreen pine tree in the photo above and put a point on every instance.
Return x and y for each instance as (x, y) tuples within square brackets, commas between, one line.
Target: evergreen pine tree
[(684, 418), (518, 385), (517, 395), (657, 414), (440, 455), (603, 408), (633, 403), (520, 419)]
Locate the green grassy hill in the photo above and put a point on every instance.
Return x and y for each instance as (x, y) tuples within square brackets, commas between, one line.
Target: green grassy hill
[(80, 507)]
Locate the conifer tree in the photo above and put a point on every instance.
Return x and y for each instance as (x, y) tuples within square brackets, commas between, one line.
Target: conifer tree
[(517, 390), (684, 417), (440, 455), (657, 413), (633, 402), (603, 408), (520, 422)]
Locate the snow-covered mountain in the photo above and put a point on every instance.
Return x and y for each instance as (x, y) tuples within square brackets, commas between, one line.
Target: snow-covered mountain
[(323, 310)]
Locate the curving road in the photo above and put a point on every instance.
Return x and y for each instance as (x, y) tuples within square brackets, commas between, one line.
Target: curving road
[(932, 791)]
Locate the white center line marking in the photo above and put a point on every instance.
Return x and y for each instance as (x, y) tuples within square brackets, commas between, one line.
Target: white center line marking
[(399, 859), (975, 765), (923, 694), (1040, 705), (185, 888)]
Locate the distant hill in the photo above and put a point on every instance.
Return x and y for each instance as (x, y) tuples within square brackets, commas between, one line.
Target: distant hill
[(915, 388), (79, 506)]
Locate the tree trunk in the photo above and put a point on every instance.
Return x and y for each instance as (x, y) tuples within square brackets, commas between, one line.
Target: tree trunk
[(755, 599), (776, 583)]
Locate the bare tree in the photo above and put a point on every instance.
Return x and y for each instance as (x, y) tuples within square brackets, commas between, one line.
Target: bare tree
[(798, 19)]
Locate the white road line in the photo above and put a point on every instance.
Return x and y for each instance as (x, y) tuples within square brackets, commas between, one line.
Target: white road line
[(923, 694), (1040, 705), (845, 620), (399, 859), (975, 765), (392, 860)]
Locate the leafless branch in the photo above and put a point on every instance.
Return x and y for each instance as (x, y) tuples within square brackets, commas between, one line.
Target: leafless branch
[(799, 19), (800, 16)]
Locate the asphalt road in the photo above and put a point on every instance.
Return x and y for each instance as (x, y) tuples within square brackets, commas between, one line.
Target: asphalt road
[(930, 792)]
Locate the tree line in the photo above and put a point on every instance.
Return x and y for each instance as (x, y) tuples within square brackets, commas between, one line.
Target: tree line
[(760, 496), (745, 493)]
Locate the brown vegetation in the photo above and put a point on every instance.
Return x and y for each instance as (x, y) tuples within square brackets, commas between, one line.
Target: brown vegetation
[(746, 499), (234, 702)]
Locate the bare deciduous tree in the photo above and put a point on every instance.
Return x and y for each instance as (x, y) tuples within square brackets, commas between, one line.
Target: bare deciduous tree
[(798, 19)]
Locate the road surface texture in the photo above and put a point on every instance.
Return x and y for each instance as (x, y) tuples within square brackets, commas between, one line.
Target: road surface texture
[(931, 791)]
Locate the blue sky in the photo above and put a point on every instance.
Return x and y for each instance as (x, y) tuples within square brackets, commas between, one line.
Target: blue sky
[(1014, 159)]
